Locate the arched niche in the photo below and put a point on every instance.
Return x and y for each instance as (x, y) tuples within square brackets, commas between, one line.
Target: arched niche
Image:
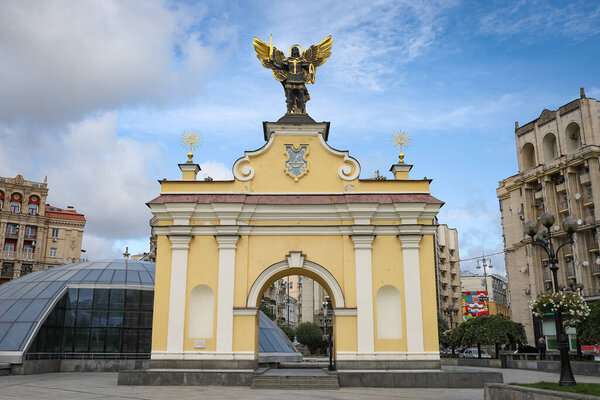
[(389, 313), (201, 312), (550, 149), (528, 156), (573, 136)]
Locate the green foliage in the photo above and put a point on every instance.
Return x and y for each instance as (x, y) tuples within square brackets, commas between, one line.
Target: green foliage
[(493, 329), (589, 329), (267, 311), (289, 332), (583, 388), (309, 334), (442, 326)]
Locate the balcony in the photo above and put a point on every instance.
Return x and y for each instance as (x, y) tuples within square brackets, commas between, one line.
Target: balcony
[(10, 255), (560, 187), (28, 256), (538, 194), (592, 243), (570, 270), (595, 268), (547, 275), (563, 206)]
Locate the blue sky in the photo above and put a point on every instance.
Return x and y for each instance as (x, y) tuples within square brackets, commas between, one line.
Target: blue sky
[(98, 98)]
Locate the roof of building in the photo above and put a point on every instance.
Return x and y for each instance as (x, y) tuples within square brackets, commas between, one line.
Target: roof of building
[(25, 302), (55, 212), (272, 339)]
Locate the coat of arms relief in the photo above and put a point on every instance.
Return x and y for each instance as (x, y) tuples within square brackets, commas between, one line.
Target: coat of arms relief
[(296, 166)]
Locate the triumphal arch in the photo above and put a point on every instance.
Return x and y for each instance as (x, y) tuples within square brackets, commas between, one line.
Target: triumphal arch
[(295, 206)]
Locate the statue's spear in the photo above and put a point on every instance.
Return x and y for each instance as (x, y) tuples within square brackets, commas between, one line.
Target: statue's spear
[(271, 47)]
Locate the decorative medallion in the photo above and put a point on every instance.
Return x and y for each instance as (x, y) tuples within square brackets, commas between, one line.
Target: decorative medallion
[(296, 166)]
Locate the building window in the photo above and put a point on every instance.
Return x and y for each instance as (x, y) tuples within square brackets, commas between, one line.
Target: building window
[(32, 209), (1, 204), (7, 271), (9, 247), (26, 269), (52, 251), (12, 229), (117, 321), (29, 232), (15, 207), (54, 233)]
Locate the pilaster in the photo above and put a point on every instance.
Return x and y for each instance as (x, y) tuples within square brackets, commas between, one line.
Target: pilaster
[(412, 293), (226, 281), (177, 293), (364, 292)]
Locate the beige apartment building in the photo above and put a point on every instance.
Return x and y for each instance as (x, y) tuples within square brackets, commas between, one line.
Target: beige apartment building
[(309, 295), (448, 275), (35, 235), (559, 172)]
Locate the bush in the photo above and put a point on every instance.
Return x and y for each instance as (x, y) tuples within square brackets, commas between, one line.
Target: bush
[(589, 329), (309, 333), (289, 332)]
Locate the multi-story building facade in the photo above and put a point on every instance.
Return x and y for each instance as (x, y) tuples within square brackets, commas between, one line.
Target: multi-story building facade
[(33, 234), (448, 275), (559, 171), (496, 288), (310, 296)]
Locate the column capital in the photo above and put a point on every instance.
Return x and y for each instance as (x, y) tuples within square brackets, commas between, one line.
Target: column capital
[(180, 242), (227, 241), (410, 241), (362, 241)]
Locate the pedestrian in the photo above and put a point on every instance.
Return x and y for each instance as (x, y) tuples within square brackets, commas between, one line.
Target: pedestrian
[(542, 347)]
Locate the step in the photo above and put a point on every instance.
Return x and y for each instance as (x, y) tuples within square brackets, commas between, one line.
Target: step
[(303, 365), (301, 378)]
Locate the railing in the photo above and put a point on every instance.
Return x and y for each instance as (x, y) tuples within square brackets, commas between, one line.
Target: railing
[(562, 205), (87, 356), (570, 269), (28, 256), (547, 275), (9, 254)]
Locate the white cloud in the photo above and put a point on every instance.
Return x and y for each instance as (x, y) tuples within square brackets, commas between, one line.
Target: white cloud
[(62, 59), (216, 170)]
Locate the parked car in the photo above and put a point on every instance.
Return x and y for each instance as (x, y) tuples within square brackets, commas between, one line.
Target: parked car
[(473, 353)]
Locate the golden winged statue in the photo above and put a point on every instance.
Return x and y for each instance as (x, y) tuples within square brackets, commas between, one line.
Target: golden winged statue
[(295, 71)]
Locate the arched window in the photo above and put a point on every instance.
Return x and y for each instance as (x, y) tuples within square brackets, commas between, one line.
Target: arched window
[(573, 136), (389, 313), (15, 207), (201, 312), (528, 156), (1, 199), (550, 151), (32, 209)]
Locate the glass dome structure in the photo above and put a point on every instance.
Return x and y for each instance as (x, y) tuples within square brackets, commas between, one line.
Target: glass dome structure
[(26, 302), (100, 308)]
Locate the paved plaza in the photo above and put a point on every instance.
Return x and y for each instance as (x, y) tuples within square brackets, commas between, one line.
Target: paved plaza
[(98, 385)]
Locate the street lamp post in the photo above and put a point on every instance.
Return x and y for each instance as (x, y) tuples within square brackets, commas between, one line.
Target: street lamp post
[(483, 263), (450, 312), (327, 311), (542, 237)]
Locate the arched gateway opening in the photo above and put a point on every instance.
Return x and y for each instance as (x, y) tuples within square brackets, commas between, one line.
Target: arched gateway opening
[(297, 265)]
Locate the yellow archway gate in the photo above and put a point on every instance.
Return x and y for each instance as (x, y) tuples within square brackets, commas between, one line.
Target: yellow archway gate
[(295, 206)]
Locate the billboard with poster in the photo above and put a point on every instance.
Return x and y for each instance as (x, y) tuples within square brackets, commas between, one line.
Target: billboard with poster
[(474, 304)]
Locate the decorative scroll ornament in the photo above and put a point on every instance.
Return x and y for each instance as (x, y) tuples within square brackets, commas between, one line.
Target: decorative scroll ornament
[(191, 141), (296, 166)]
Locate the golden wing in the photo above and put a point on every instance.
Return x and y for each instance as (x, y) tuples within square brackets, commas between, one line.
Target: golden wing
[(317, 54), (262, 53)]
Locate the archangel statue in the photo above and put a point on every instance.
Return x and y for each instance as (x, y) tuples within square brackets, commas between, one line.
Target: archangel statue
[(295, 71)]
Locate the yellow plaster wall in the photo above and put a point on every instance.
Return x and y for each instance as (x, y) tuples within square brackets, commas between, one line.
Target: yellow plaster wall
[(161, 294), (388, 269), (203, 269), (345, 338), (428, 295), (245, 333)]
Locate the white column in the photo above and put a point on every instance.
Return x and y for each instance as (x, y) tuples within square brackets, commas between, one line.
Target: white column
[(177, 292), (412, 293), (364, 293), (227, 245)]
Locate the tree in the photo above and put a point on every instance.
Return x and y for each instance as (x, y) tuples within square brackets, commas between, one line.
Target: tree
[(309, 334), (267, 311), (289, 332), (588, 330), (494, 329), (442, 326)]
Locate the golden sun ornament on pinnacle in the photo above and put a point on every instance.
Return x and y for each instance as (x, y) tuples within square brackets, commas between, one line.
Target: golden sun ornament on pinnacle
[(401, 141), (191, 141)]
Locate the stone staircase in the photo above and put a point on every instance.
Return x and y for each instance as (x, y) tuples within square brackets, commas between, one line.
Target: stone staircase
[(295, 378)]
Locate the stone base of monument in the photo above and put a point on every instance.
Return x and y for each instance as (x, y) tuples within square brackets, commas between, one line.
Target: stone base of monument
[(315, 378)]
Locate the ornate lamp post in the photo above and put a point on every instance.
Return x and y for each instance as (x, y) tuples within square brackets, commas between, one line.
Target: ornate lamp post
[(541, 236), (483, 263), (450, 311), (327, 313)]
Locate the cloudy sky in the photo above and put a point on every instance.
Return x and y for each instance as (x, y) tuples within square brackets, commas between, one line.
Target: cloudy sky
[(96, 94)]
